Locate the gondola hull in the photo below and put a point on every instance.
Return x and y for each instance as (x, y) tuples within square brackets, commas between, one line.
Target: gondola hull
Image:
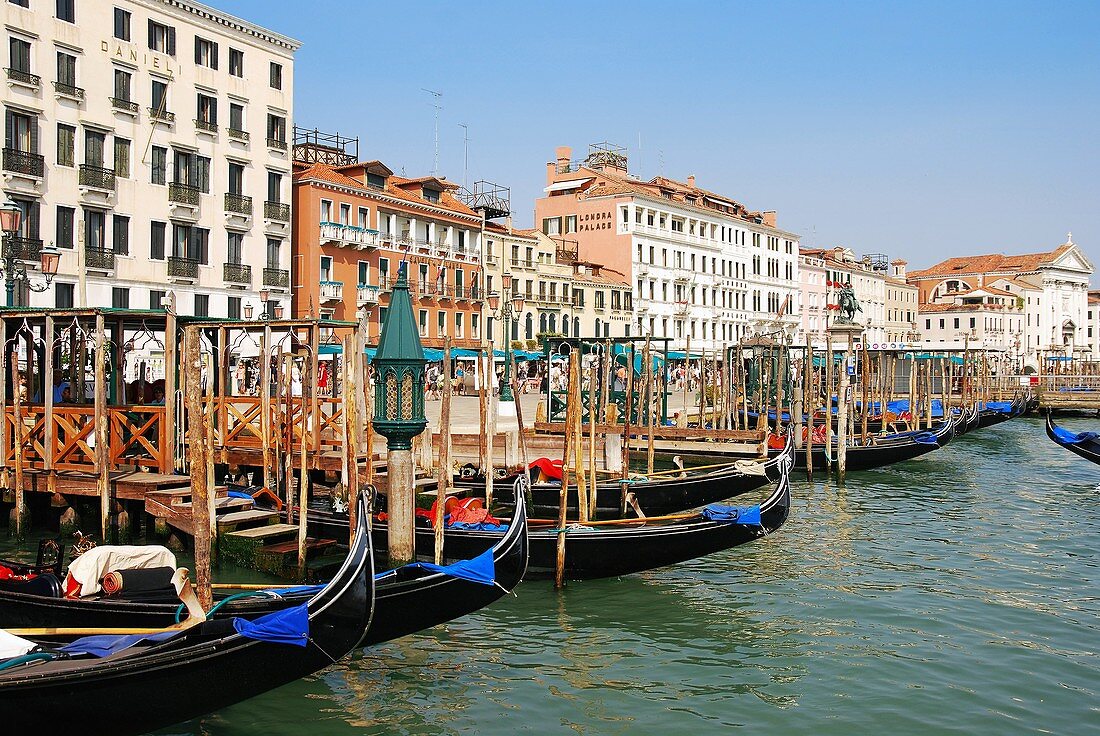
[(886, 452), (1086, 448)]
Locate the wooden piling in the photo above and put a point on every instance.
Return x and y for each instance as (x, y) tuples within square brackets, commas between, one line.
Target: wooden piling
[(489, 422), (197, 460), (647, 392), (352, 358), (49, 430), (265, 406), (865, 379), (443, 472), (809, 403), (101, 437), (563, 496), (17, 440), (306, 417)]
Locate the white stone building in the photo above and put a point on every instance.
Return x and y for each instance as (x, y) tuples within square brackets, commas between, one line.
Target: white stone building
[(867, 275), (147, 141)]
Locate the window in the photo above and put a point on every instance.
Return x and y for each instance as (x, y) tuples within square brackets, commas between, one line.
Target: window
[(423, 319), (274, 246), (206, 53), (122, 24), (460, 324), (122, 85), (276, 128), (274, 186), (202, 174), (157, 232), (326, 210), (192, 243), (94, 143), (235, 248), (364, 217), (364, 273), (21, 3), (202, 305), (64, 234), (19, 55), (236, 178), (432, 195), (159, 96), (120, 298), (551, 225), (207, 110), (956, 326), (121, 235), (972, 323), (441, 324), (276, 76), (233, 308), (122, 157), (95, 224), (162, 38), (345, 214), (66, 10), (236, 116), (66, 145), (64, 296), (66, 69), (159, 165), (236, 63)]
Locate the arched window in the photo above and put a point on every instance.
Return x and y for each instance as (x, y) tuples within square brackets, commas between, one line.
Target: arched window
[(576, 326), (553, 323), (542, 322), (598, 325), (564, 324), (530, 326)]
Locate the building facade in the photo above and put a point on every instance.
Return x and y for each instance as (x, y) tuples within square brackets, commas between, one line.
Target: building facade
[(702, 266), (146, 140), (814, 297), (1050, 288), (902, 306), (867, 277)]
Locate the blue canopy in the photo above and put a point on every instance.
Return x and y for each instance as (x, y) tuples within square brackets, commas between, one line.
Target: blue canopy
[(681, 355), (104, 645), (1073, 438), (902, 405), (1003, 407), (481, 569), (288, 626), (748, 515)]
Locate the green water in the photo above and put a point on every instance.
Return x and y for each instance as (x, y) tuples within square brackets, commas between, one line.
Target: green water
[(954, 594)]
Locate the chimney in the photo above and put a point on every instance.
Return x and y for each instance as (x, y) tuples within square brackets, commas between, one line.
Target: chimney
[(769, 218), (562, 154), (691, 181)]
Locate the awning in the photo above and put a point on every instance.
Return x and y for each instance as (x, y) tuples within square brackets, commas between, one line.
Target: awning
[(565, 186)]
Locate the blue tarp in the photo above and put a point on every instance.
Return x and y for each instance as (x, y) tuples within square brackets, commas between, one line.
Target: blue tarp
[(240, 494), (104, 645), (903, 405), (1072, 438), (749, 515), (1003, 407), (288, 626), (481, 569)]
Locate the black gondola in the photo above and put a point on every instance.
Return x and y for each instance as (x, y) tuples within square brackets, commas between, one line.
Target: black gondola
[(1085, 444), (407, 600), (153, 684), (990, 416), (882, 451)]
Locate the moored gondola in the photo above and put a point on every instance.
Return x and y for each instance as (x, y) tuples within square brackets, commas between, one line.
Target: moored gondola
[(996, 412), (170, 677), (1085, 444), (882, 451)]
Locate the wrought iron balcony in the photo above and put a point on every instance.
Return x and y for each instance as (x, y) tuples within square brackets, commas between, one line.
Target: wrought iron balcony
[(206, 126), (182, 268), (18, 75), (279, 211), (23, 162), (124, 105), (332, 291), (238, 135), (97, 177), (162, 115), (68, 90), (183, 194), (24, 249), (276, 143), (277, 277), (99, 259), (238, 203), (237, 273), (367, 294)]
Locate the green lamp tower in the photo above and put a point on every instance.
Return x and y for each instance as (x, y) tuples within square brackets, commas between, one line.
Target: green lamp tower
[(399, 413)]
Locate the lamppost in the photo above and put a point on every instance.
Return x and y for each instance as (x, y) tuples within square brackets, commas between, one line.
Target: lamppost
[(265, 296), (510, 309), (11, 216)]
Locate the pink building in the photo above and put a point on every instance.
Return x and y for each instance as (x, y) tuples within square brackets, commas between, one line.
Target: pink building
[(815, 296)]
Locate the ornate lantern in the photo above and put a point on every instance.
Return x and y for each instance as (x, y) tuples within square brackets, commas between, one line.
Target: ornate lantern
[(399, 371)]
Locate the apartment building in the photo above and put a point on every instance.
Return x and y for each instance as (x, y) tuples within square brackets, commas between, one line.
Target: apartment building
[(867, 277), (146, 140), (357, 220), (901, 307), (702, 265)]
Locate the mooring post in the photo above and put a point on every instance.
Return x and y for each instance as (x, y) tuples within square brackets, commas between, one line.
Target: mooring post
[(443, 474), (102, 455), (197, 461)]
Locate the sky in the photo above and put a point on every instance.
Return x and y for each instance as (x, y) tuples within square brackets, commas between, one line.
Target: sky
[(918, 130)]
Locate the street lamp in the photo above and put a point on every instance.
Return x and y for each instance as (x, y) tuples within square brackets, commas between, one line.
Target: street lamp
[(265, 296), (511, 308), (11, 217)]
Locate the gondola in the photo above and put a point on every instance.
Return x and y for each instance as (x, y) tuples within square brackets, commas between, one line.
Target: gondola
[(407, 600), (1085, 444), (993, 413), (159, 682), (634, 546), (882, 451), (968, 422), (655, 497)]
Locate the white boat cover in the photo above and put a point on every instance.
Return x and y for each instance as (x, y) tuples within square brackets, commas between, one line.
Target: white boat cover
[(90, 567), (13, 646)]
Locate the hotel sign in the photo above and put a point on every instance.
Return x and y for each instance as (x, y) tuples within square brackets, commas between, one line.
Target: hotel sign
[(131, 54), (595, 221)]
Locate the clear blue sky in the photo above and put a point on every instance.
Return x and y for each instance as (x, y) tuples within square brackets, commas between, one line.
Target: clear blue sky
[(919, 130)]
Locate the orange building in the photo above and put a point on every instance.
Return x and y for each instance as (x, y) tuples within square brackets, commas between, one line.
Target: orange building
[(355, 221)]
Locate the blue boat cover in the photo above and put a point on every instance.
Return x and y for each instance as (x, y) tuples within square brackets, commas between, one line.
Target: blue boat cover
[(240, 494), (288, 626), (480, 526), (903, 405), (749, 515), (481, 569), (104, 645), (1001, 406), (1072, 438)]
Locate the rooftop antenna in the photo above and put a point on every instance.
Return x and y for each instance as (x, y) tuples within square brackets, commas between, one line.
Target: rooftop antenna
[(465, 151), (438, 107)]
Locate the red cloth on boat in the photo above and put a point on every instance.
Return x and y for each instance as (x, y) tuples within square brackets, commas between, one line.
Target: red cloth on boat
[(820, 433), (550, 469), (465, 511), (6, 573)]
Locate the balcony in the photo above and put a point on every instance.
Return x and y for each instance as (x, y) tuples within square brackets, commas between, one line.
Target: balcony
[(332, 291), (18, 76), (276, 143), (238, 204), (24, 249), (238, 135), (277, 211), (97, 177), (237, 273), (277, 277), (68, 90), (23, 162), (366, 295), (205, 126), (350, 235), (183, 194), (127, 106), (99, 259), (182, 269), (162, 115)]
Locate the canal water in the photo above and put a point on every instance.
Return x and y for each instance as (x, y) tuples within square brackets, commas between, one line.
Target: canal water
[(953, 594)]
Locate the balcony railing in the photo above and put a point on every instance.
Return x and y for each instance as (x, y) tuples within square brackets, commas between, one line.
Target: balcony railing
[(183, 194), (238, 135), (237, 273), (279, 211), (206, 126), (162, 115), (99, 259), (23, 162), (367, 294), (332, 291), (277, 277), (125, 105), (348, 234), (276, 143), (238, 203), (18, 75), (69, 90), (96, 177), (182, 268), (24, 249)]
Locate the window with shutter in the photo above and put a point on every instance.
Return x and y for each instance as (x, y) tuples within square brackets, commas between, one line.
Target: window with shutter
[(64, 234), (122, 24), (157, 232), (121, 235)]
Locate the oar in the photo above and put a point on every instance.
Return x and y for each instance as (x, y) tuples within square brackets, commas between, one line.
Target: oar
[(693, 468), (250, 586), (76, 631)]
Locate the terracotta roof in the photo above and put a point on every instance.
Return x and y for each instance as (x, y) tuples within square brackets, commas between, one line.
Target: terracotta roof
[(987, 289), (992, 263), (325, 172), (497, 228), (934, 308), (898, 282)]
